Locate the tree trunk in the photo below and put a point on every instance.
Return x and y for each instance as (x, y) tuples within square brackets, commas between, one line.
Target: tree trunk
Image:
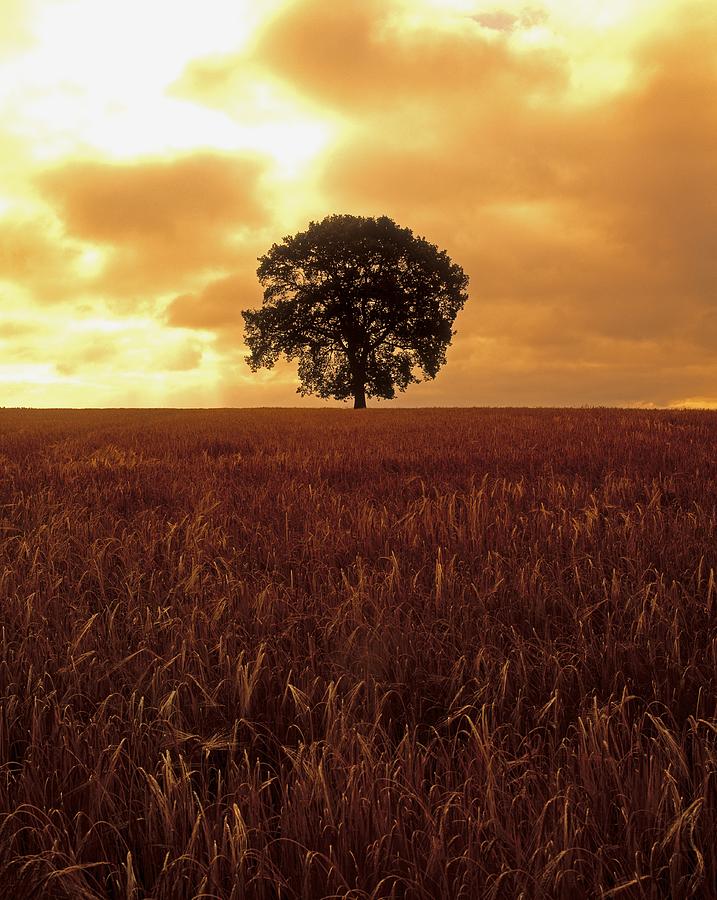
[(359, 396), (358, 378)]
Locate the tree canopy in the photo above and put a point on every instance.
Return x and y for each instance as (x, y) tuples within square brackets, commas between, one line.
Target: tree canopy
[(360, 302)]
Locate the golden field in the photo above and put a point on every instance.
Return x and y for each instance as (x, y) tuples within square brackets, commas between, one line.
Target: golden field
[(327, 654)]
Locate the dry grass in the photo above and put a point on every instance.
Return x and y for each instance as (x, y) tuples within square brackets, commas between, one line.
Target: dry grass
[(421, 654)]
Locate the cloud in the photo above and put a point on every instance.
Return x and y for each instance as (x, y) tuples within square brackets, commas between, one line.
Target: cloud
[(497, 20), (122, 203), (507, 21), (160, 221), (360, 55), (569, 171), (587, 230), (35, 257), (217, 306), (12, 328), (184, 358), (88, 352), (584, 219), (127, 350)]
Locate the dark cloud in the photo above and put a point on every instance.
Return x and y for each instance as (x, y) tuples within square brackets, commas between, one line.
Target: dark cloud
[(124, 203), (218, 305), (161, 222)]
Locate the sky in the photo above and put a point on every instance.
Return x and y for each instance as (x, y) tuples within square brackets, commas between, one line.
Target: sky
[(563, 152)]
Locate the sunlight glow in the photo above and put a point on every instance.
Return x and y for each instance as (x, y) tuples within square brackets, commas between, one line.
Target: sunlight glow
[(97, 80), (91, 262), (695, 403), (28, 373)]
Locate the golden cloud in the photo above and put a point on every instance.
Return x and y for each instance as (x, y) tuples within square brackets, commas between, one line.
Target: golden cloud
[(591, 225), (218, 305), (587, 227), (35, 257), (160, 221), (358, 55), (584, 217)]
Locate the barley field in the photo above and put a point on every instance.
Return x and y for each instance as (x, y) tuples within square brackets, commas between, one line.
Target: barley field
[(387, 654)]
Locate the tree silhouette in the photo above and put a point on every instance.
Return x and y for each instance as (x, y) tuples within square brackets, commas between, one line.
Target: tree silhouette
[(360, 302)]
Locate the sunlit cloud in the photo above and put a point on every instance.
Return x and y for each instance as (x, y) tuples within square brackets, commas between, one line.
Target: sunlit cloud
[(160, 223), (563, 151)]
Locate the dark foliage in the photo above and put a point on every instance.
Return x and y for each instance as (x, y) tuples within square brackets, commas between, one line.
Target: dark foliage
[(360, 302)]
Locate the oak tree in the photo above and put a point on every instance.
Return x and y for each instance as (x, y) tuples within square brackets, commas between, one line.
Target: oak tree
[(362, 304)]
